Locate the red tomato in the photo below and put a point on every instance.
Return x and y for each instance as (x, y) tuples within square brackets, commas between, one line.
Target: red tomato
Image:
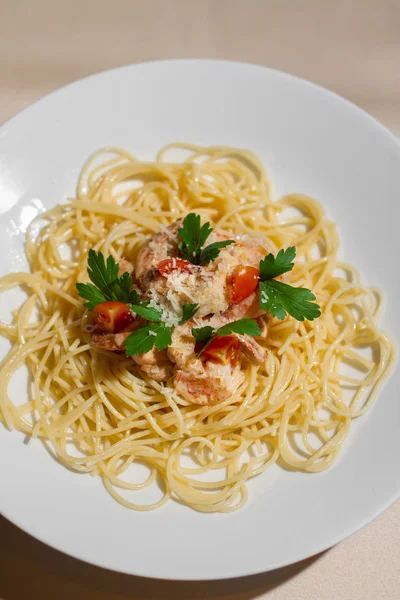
[(223, 349), (112, 316), (168, 265), (244, 282)]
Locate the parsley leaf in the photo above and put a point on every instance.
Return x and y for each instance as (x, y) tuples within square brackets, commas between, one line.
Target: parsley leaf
[(207, 334), (102, 273), (273, 266), (142, 340), (193, 237), (147, 312), (163, 337), (107, 285), (89, 292), (134, 298), (121, 289), (280, 298), (188, 312), (241, 326), (202, 334)]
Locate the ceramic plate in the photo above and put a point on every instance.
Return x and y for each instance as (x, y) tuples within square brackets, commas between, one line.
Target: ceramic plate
[(310, 141)]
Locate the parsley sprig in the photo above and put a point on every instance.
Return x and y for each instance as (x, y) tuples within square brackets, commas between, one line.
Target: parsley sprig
[(193, 236), (280, 298), (144, 339), (106, 285), (207, 334)]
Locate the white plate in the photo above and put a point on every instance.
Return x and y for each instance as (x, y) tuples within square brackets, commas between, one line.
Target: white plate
[(311, 141)]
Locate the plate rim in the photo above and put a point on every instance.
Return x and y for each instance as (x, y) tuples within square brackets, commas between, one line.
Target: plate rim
[(166, 61)]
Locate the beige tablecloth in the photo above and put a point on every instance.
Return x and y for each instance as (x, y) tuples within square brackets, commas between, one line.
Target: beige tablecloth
[(352, 47)]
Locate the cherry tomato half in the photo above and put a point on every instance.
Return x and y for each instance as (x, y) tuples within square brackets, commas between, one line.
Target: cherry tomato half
[(112, 316), (168, 265), (223, 349), (244, 282)]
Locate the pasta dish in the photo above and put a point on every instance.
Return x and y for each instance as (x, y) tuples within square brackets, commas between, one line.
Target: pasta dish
[(180, 318)]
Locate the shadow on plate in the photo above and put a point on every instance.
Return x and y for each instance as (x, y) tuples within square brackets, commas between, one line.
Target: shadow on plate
[(30, 569)]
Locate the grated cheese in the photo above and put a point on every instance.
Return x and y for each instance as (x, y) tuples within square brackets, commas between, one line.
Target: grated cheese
[(169, 317)]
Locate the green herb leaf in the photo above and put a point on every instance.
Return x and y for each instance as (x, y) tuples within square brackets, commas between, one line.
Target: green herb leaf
[(140, 341), (193, 237), (163, 337), (144, 339), (102, 273), (273, 266), (90, 293), (148, 313), (120, 288), (107, 285), (279, 299), (202, 334), (211, 251), (188, 312), (241, 326), (134, 298)]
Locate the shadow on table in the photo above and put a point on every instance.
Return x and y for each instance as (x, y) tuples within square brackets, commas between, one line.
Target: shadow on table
[(31, 570)]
